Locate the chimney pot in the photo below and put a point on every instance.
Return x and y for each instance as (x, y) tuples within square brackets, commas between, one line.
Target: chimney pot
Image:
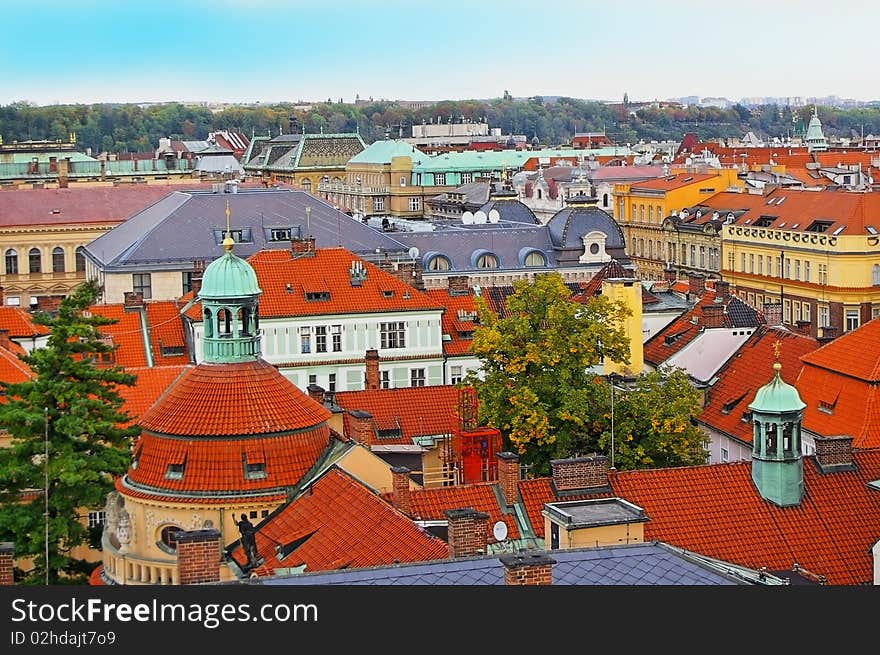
[(528, 569), (580, 472), (401, 491), (508, 477), (696, 283), (467, 532), (303, 246), (834, 453), (361, 423), (133, 300), (372, 369), (316, 393)]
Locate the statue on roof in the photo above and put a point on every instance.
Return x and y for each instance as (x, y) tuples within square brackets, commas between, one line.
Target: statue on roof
[(248, 541)]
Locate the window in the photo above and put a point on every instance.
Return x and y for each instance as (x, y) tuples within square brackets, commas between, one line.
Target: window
[(384, 379), (455, 374), (487, 260), (823, 316), (305, 340), (96, 519), (725, 455), (806, 270), (467, 178), (175, 471), (243, 235), (650, 213), (797, 269), (438, 263), (760, 264), (788, 269), (141, 282), (11, 262), (806, 311), (797, 312), (875, 275), (823, 274), (306, 184), (693, 255), (415, 204), (402, 181), (769, 265), (852, 319), (171, 351), (331, 382), (255, 471), (336, 337), (684, 256), (321, 339), (187, 281), (633, 212), (742, 262), (317, 296), (34, 261), (440, 179), (280, 234), (642, 213), (536, 259), (379, 204), (751, 263), (650, 249), (391, 335), (786, 311), (313, 380), (417, 377), (58, 259)]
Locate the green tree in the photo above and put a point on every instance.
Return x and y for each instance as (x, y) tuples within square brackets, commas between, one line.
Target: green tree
[(653, 425), (72, 409), (535, 381)]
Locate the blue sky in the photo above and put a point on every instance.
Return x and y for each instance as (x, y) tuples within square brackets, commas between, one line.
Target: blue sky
[(270, 50)]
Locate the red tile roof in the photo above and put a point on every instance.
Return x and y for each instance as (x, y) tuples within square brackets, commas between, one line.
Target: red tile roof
[(328, 270), (12, 369), (233, 399), (613, 269), (430, 505), (151, 383), (216, 465), (843, 378), (677, 334), (715, 510), (163, 323), (341, 524), (671, 182), (853, 212), (20, 323), (748, 370), (460, 332), (536, 492), (108, 204), (416, 411)]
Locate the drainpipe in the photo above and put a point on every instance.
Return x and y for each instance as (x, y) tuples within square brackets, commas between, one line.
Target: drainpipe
[(145, 333)]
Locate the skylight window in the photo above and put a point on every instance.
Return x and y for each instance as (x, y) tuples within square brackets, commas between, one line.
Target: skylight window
[(839, 230)]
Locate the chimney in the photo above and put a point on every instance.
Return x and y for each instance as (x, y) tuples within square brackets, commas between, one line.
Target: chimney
[(508, 477), (7, 550), (773, 313), (467, 532), (316, 393), (580, 472), (407, 272), (804, 327), (63, 172), (372, 365), (303, 246), (829, 334), (2, 298), (528, 569), (459, 285), (696, 283), (400, 484), (361, 427), (133, 300), (713, 316), (198, 556), (834, 454), (722, 289), (670, 275), (4, 339), (48, 304), (196, 279)]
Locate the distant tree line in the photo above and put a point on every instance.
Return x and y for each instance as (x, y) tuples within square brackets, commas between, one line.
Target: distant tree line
[(135, 128)]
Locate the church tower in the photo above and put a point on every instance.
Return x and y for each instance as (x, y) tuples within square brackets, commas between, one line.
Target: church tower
[(777, 460), (815, 137)]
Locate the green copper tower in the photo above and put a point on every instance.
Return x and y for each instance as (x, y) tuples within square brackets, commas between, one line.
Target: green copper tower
[(777, 460), (230, 307)]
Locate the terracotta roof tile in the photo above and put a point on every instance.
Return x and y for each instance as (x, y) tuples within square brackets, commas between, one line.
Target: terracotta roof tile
[(151, 383), (748, 370), (538, 491), (430, 505), (233, 399), (851, 213), (163, 324), (670, 182), (328, 269), (856, 353), (417, 411), (340, 524), (450, 324), (19, 323), (12, 369)]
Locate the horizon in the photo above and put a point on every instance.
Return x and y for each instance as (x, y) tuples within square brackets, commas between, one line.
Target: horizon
[(268, 52)]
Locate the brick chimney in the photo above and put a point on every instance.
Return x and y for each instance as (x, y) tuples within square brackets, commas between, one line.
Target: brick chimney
[(361, 426), (4, 339), (804, 327), (508, 477), (722, 289), (400, 484), (459, 285), (670, 275), (63, 172), (196, 279), (7, 550), (198, 556), (834, 454), (773, 313), (696, 283), (580, 472), (303, 246), (372, 365), (133, 301), (467, 533), (48, 303), (829, 333), (316, 393), (713, 315), (528, 569)]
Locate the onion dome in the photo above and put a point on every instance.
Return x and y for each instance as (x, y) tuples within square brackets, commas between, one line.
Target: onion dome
[(777, 396)]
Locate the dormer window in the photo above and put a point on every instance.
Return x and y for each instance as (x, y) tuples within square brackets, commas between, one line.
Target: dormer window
[(175, 471), (317, 296)]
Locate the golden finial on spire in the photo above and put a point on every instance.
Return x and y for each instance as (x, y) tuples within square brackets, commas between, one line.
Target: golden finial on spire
[(228, 242), (777, 349)]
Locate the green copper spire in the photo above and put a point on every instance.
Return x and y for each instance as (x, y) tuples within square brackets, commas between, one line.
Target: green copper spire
[(777, 460), (815, 137), (230, 309)]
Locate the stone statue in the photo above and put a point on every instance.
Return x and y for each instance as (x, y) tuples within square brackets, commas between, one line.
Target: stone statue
[(248, 540)]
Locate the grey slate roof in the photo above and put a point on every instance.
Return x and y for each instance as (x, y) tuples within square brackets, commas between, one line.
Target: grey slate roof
[(651, 563), (511, 210), (568, 225)]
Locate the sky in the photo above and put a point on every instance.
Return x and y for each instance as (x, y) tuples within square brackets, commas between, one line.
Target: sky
[(246, 51)]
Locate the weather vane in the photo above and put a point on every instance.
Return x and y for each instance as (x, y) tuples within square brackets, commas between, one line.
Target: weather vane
[(777, 348)]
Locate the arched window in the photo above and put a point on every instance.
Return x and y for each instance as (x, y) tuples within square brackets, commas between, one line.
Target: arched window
[(224, 323), (11, 262), (642, 213), (209, 324), (306, 185), (438, 263), (256, 318), (80, 260), (641, 247), (487, 260), (650, 249), (58, 259), (605, 200), (35, 261), (245, 316), (650, 213), (535, 259)]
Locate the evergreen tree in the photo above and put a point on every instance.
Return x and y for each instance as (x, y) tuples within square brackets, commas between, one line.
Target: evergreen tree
[(72, 410)]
